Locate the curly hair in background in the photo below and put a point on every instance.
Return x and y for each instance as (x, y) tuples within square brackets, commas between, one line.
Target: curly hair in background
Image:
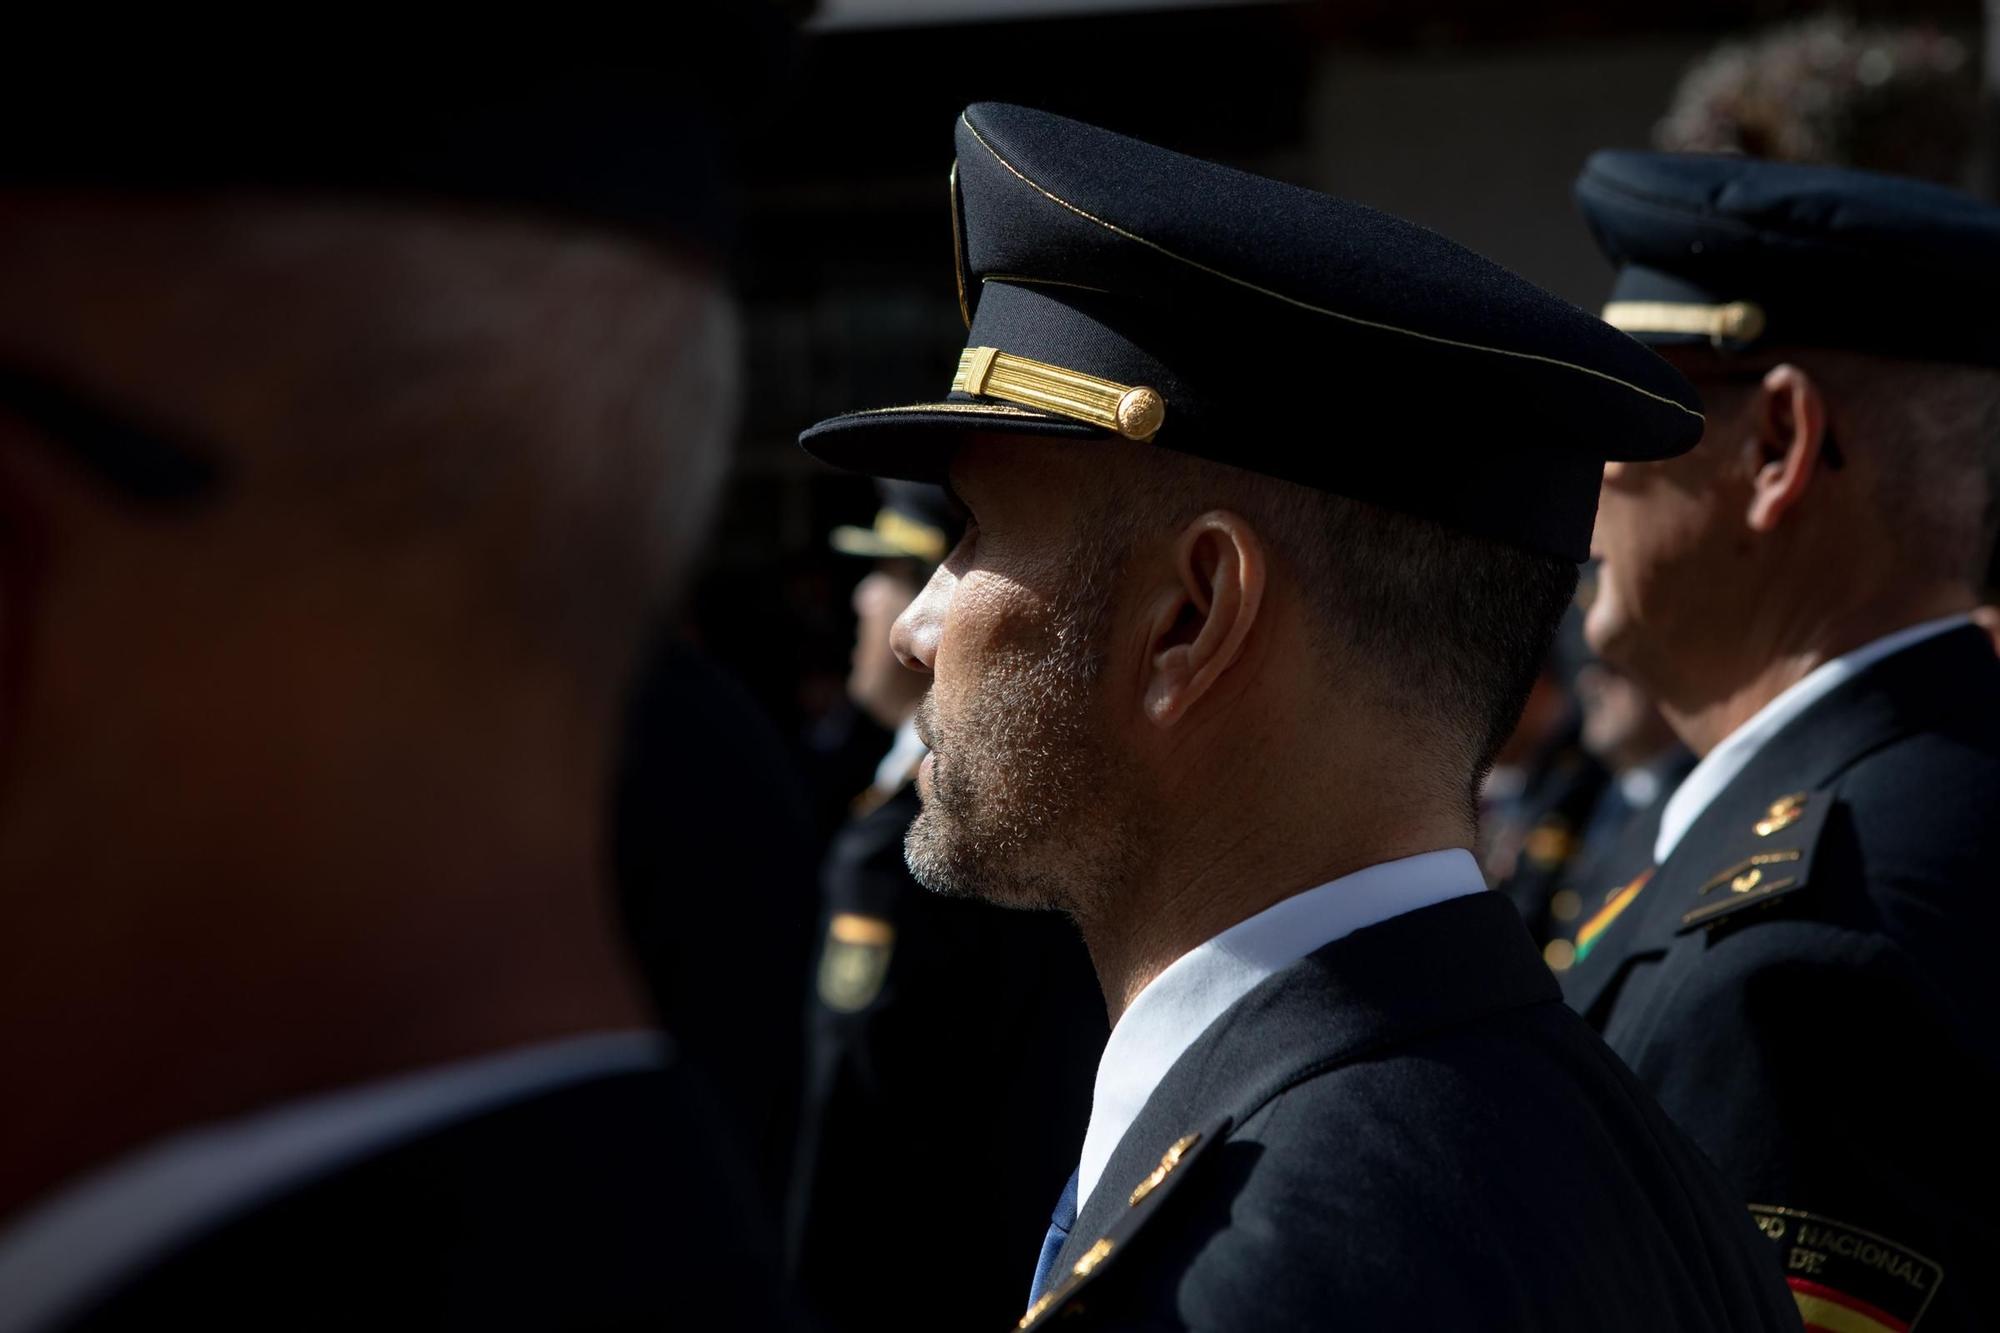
[(1895, 99)]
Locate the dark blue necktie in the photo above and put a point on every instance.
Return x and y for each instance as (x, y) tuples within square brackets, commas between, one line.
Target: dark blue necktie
[(1060, 1222)]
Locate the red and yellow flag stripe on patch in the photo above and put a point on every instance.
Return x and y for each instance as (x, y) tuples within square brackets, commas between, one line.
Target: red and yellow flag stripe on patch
[(1593, 929), (1828, 1311)]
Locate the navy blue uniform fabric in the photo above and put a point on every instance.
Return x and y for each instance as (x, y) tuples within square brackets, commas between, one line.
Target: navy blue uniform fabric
[(594, 1207), (1834, 1051), (1418, 1136)]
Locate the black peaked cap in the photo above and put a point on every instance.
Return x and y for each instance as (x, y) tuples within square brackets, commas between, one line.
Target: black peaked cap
[(1123, 289), (1741, 253)]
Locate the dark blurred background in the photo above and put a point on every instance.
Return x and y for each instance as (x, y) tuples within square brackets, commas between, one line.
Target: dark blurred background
[(1469, 117)]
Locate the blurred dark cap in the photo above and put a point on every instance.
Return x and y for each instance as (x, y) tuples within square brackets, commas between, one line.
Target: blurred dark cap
[(633, 128), (917, 521)]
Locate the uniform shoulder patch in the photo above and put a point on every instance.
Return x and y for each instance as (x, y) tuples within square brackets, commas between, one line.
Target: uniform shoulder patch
[(1145, 1200), (1845, 1279), (1770, 859), (854, 961)]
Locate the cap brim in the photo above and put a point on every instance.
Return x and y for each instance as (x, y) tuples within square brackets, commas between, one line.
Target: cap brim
[(916, 442)]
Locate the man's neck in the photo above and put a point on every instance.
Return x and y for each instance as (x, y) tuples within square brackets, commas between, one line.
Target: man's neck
[(1226, 867), (1703, 716)]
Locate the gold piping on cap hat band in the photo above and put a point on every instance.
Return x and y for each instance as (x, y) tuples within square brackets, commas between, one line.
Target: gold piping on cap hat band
[(1133, 411), (1736, 322)]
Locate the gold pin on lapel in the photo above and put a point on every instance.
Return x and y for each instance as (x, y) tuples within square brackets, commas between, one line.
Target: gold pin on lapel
[(1784, 813), (1168, 1162)]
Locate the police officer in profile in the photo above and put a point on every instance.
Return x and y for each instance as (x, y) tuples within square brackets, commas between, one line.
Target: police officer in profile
[(935, 1022), (1798, 965), (1274, 503)]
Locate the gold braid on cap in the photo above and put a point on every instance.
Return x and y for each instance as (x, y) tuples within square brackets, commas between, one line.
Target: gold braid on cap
[(1133, 411)]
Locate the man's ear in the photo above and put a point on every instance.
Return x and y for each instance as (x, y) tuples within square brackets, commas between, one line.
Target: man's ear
[(1201, 623), (1788, 444)]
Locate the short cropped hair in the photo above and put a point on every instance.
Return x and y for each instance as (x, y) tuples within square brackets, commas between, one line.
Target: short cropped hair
[(1441, 629)]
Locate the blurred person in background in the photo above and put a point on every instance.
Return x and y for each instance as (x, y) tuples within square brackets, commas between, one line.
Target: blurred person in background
[(1626, 734), (1834, 91), (348, 449), (1541, 791), (1799, 968), (936, 1022)]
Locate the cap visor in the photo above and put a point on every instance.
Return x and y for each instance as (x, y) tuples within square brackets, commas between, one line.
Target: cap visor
[(915, 443)]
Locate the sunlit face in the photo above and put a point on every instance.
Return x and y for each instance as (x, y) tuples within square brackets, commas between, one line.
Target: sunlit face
[(1027, 800), (877, 682), (1671, 549)]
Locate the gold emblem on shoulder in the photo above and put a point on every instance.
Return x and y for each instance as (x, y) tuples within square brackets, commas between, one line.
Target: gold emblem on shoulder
[(1170, 1160), (855, 961), (1784, 813), (1748, 873)]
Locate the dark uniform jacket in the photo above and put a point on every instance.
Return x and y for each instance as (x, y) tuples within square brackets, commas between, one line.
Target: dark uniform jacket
[(1807, 986), (1407, 1130), (952, 1047), (598, 1206)]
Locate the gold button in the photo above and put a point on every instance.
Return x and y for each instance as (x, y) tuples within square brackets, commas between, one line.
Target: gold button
[(1141, 413), (1740, 321), (1566, 905), (1560, 955)]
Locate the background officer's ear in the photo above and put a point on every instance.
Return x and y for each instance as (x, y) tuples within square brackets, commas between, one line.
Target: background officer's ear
[(1200, 623), (1790, 440)]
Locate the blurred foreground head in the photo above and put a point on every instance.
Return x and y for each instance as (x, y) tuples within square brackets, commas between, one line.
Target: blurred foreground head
[(352, 435)]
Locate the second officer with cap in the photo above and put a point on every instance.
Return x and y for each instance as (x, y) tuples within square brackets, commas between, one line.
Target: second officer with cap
[(1802, 973), (1275, 502)]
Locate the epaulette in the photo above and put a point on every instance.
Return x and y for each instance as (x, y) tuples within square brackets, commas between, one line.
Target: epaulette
[(1771, 858), (1065, 1297)]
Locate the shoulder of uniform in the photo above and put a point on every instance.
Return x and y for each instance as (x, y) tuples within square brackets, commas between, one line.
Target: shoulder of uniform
[(1769, 858), (1148, 1198)]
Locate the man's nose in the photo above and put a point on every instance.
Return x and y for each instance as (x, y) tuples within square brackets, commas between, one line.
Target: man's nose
[(917, 631)]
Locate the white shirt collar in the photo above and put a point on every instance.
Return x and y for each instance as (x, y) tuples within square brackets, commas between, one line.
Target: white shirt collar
[(905, 753), (79, 1243), (1719, 767), (1180, 1003)]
